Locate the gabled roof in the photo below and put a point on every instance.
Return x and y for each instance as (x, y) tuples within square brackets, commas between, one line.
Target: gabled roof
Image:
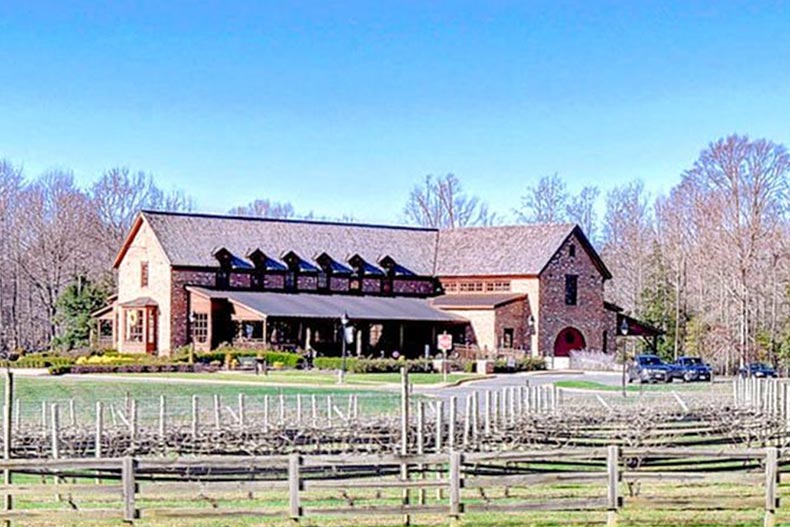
[(188, 240), (507, 250)]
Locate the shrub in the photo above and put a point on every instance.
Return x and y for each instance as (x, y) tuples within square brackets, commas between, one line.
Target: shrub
[(227, 355), (129, 368), (523, 364), (356, 365)]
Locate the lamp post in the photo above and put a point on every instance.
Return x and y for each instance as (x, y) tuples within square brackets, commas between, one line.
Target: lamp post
[(344, 326), (192, 337), (530, 330), (624, 331)]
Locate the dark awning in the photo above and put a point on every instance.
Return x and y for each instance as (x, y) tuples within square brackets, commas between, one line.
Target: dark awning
[(476, 300), (304, 305)]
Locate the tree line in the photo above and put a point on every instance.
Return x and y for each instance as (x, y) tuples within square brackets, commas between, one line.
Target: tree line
[(708, 262)]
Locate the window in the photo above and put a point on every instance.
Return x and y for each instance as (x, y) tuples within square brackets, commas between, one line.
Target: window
[(572, 251), (223, 279), (143, 274), (451, 287), (507, 338), (290, 281), (134, 325), (498, 286), (471, 287), (200, 327), (571, 289)]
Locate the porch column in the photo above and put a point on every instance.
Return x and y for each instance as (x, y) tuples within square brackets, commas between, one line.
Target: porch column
[(400, 338), (265, 333)]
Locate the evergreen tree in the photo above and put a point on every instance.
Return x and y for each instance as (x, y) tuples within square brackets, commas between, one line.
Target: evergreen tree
[(74, 307)]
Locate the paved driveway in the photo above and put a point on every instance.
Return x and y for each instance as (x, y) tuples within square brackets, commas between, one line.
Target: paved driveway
[(500, 381)]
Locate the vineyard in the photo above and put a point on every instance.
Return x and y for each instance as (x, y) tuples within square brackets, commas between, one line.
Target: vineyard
[(498, 451)]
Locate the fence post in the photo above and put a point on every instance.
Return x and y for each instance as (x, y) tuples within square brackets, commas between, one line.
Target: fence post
[(613, 480), (195, 420), (241, 412), (133, 421), (771, 477), (455, 487), (294, 486), (97, 445), (217, 416), (8, 397), (129, 486), (162, 417), (404, 446)]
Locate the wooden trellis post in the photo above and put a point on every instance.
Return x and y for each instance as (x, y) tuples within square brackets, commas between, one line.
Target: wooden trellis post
[(612, 484), (771, 479)]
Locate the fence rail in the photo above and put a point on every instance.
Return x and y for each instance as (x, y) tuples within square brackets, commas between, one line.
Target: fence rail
[(462, 483)]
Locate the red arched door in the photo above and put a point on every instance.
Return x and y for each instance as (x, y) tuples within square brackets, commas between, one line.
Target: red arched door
[(569, 339)]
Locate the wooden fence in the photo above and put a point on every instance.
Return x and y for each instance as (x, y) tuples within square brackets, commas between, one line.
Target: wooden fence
[(449, 485)]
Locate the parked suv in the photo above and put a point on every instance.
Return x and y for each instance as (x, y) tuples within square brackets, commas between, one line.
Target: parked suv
[(650, 368), (690, 369), (757, 369)]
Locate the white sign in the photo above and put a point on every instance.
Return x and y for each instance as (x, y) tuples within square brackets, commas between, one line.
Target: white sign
[(445, 342)]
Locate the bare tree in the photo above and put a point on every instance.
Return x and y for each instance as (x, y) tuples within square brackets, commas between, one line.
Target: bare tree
[(581, 210), (442, 203), (744, 184), (546, 202), (264, 208)]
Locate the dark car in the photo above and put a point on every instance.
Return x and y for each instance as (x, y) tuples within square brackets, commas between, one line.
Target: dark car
[(757, 369), (691, 369), (650, 368)]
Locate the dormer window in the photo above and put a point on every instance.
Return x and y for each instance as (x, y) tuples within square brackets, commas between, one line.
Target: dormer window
[(263, 262), (393, 268), (225, 259), (363, 268)]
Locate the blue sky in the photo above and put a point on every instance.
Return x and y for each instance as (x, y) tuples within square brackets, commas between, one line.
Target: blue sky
[(341, 107)]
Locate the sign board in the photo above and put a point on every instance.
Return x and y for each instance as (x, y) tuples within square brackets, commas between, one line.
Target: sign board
[(445, 342)]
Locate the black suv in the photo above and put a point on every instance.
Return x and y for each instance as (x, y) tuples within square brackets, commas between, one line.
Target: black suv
[(690, 369), (650, 368), (757, 369)]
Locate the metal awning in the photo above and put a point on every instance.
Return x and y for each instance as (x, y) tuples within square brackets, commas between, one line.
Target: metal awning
[(476, 301), (305, 305)]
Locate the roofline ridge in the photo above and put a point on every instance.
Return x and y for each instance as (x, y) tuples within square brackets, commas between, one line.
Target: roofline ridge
[(210, 215)]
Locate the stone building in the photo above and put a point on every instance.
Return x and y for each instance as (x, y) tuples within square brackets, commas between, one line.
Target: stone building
[(203, 280)]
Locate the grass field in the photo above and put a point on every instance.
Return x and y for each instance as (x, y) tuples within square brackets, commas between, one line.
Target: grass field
[(592, 385), (321, 378), (638, 510)]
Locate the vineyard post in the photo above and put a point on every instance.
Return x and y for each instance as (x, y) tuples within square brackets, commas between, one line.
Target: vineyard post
[(97, 446), (195, 419), (133, 421), (241, 411), (162, 417), (404, 447), (421, 447), (8, 397), (487, 412), (72, 417), (314, 410), (452, 416), (217, 418), (438, 446)]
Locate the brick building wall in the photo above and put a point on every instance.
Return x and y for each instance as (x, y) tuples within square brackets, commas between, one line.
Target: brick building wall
[(145, 248), (179, 311), (513, 315), (587, 315)]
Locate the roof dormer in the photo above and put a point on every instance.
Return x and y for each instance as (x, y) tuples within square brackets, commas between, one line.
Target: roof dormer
[(297, 264), (262, 262), (363, 268), (393, 268)]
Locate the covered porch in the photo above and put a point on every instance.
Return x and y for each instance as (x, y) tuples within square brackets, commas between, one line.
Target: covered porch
[(381, 326)]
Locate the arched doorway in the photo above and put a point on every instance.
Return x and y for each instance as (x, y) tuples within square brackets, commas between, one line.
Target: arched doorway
[(569, 339)]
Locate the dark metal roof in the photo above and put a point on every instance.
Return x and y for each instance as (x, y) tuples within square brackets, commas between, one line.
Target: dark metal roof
[(188, 239), (141, 301), (333, 306), (476, 301)]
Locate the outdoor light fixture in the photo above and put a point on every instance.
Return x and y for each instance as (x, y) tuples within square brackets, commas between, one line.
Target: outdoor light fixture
[(341, 377), (624, 331)]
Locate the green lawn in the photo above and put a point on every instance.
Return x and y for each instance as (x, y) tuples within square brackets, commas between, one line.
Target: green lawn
[(318, 378), (592, 385)]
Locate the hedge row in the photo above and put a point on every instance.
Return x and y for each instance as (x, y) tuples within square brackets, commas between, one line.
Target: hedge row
[(129, 368), (355, 365), (36, 361), (288, 360)]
